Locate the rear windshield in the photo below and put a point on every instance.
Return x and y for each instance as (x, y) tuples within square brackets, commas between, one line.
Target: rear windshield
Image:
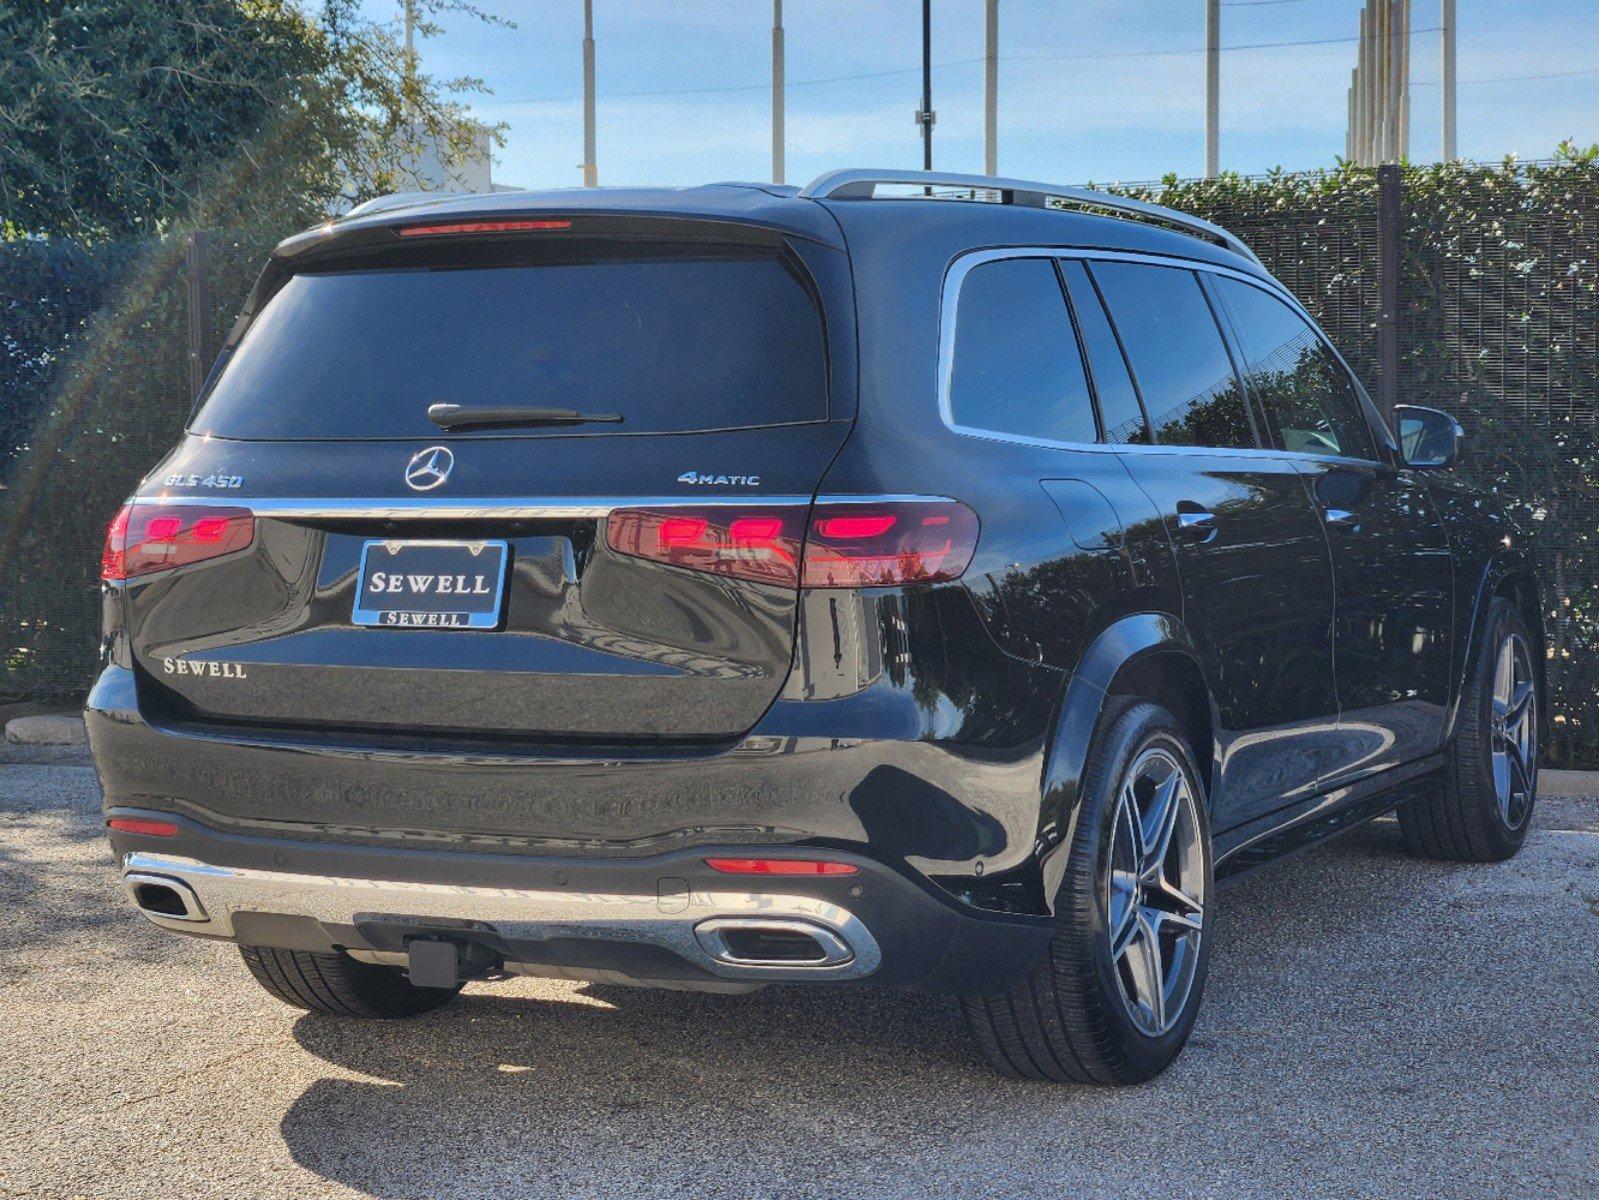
[(672, 342)]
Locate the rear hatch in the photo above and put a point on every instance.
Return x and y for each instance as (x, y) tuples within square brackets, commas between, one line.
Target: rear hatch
[(322, 556)]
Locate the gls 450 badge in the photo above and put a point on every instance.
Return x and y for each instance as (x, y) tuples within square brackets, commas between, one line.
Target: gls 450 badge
[(700, 478), (205, 481)]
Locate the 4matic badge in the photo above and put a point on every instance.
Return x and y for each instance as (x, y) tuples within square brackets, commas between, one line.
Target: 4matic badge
[(700, 478)]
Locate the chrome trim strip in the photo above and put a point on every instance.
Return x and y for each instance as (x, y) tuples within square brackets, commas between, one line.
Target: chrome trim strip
[(466, 508), (515, 913), (949, 301), (859, 184), (508, 508)]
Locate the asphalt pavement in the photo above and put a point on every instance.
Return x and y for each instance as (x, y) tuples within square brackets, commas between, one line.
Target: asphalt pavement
[(1374, 1026)]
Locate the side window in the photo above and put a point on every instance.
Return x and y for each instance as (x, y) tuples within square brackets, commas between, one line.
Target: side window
[(1309, 399), (1119, 410), (1017, 367), (1177, 355)]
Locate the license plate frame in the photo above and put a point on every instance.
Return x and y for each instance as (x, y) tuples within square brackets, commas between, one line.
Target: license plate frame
[(389, 608)]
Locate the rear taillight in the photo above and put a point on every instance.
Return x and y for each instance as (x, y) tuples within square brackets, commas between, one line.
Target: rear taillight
[(884, 545), (145, 538), (758, 544), (843, 545)]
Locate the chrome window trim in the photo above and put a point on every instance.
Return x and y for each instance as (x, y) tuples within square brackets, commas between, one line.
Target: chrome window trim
[(955, 276), (504, 508)]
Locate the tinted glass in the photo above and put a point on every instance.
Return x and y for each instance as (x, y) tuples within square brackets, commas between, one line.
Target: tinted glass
[(1017, 367), (1177, 354), (1309, 399), (1113, 386), (670, 342)]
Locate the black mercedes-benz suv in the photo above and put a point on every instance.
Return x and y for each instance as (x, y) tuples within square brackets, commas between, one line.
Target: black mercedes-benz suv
[(922, 580)]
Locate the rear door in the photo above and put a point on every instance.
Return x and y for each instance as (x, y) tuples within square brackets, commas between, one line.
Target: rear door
[(1256, 575), (410, 581), (1390, 554)]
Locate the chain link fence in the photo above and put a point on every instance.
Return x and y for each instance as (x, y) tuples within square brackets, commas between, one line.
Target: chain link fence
[(1469, 288)]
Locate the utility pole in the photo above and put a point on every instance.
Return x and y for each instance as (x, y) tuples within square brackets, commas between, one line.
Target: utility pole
[(1212, 88), (991, 91), (925, 117), (1451, 150), (591, 171), (777, 91)]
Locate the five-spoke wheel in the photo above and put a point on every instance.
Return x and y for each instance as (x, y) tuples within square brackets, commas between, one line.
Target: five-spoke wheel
[(1155, 890), (1514, 729)]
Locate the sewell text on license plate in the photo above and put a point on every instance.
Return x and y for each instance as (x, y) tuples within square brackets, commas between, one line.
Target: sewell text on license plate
[(431, 584)]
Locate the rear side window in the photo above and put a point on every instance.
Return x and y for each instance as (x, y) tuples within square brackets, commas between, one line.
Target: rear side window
[(1017, 368), (1309, 399), (1177, 355), (671, 340), (1119, 409)]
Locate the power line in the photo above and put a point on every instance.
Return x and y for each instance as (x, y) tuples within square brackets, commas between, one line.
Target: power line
[(959, 62), (1511, 78)]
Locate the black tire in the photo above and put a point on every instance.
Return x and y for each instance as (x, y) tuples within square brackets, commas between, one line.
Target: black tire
[(1068, 1021), (339, 985), (1465, 819)]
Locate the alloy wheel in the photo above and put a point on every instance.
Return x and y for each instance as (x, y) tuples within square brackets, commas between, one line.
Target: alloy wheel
[(1514, 730), (1156, 890)]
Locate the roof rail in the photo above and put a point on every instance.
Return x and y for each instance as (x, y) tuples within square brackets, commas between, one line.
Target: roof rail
[(859, 184)]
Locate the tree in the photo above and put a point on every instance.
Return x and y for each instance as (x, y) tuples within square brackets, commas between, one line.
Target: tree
[(123, 117)]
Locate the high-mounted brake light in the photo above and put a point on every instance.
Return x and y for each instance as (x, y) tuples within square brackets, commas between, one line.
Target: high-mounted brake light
[(853, 544), (483, 227), (143, 825), (780, 866), (145, 538)]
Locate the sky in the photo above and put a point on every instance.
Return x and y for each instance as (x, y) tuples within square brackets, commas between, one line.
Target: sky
[(1090, 90)]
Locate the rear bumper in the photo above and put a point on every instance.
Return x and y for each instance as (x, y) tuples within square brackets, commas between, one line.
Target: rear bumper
[(663, 920)]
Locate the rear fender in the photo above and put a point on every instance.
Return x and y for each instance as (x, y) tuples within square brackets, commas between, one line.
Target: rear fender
[(1118, 647)]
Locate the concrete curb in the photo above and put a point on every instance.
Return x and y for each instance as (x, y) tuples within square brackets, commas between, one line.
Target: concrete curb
[(1569, 783), (47, 729)]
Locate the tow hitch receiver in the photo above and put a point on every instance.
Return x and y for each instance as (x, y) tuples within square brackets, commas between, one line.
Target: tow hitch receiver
[(438, 963)]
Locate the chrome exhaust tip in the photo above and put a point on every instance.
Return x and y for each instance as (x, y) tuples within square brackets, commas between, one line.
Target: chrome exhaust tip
[(163, 898), (769, 942)]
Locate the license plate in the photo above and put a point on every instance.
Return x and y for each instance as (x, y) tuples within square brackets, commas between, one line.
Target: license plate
[(431, 585)]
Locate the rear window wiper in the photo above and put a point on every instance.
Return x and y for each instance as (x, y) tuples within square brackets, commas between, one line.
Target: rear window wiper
[(460, 416)]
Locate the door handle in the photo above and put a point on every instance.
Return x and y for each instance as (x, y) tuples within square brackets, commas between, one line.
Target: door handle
[(1341, 518), (1198, 525)]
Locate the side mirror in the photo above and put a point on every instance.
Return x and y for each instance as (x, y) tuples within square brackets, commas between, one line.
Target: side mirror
[(1429, 438)]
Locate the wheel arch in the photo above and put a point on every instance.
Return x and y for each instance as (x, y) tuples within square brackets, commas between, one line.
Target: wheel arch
[(1517, 582), (1148, 655)]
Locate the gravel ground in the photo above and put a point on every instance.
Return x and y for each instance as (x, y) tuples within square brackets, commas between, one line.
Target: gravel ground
[(1374, 1027)]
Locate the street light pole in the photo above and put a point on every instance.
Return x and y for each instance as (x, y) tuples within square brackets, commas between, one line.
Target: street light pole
[(925, 115), (1212, 88), (1448, 23), (591, 171), (777, 91), (991, 91)]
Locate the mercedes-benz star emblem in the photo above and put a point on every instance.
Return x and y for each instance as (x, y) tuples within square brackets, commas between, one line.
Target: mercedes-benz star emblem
[(429, 468)]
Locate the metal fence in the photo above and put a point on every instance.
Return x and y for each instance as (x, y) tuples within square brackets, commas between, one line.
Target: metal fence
[(1471, 289)]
